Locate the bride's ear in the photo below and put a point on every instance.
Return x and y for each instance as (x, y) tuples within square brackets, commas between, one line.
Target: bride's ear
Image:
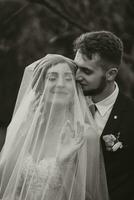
[(111, 74)]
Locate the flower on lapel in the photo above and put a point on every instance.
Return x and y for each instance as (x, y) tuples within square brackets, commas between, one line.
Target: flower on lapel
[(112, 143)]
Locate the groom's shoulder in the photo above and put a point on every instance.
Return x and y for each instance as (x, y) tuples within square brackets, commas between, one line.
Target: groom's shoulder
[(126, 100)]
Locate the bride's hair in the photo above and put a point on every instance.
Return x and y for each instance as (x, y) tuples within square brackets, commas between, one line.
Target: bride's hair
[(58, 59), (54, 60)]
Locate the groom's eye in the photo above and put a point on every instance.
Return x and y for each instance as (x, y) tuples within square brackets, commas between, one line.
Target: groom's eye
[(87, 71)]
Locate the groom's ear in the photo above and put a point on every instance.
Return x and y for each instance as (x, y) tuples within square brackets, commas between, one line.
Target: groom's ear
[(111, 74)]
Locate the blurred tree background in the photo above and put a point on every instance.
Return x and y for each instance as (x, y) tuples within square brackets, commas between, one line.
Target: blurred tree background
[(29, 29)]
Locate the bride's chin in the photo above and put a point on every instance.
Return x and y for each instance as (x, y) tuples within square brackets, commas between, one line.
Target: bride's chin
[(57, 103)]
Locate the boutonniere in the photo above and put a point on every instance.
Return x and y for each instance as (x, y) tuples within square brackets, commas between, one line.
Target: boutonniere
[(112, 142)]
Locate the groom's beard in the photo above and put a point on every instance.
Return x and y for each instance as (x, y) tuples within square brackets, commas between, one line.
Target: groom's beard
[(98, 90)]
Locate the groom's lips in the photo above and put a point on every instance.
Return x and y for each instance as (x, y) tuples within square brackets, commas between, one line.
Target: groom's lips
[(83, 84)]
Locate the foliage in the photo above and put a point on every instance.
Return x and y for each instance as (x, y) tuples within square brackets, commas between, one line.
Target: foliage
[(32, 28)]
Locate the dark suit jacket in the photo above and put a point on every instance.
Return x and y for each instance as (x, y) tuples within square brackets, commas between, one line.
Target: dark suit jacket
[(120, 164)]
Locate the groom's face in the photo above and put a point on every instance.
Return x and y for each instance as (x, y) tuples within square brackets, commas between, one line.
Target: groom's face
[(90, 75)]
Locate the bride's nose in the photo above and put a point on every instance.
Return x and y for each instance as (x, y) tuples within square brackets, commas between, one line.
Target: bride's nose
[(60, 82)]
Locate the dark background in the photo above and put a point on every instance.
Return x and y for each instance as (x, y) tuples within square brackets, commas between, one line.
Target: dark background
[(31, 29)]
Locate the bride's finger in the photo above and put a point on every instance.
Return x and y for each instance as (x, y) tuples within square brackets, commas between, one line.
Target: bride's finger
[(81, 134), (71, 131), (79, 139), (64, 130), (79, 144), (80, 129)]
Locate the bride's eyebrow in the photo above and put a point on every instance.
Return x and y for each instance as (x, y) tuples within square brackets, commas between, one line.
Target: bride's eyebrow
[(56, 73), (68, 73), (52, 73)]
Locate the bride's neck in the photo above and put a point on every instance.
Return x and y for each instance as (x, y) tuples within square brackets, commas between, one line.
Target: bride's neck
[(55, 118), (51, 129)]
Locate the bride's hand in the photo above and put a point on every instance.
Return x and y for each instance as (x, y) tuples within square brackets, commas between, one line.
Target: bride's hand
[(70, 142)]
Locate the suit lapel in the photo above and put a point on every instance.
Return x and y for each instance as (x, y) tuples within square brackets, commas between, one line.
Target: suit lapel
[(113, 124)]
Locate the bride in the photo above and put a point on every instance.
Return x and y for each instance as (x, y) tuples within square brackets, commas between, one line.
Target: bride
[(52, 150)]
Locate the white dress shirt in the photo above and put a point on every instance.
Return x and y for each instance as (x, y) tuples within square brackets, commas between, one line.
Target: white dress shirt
[(104, 108)]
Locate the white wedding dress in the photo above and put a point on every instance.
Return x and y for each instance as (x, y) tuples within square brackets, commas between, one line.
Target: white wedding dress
[(37, 180)]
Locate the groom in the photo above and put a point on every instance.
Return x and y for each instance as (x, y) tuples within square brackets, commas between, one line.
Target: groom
[(99, 56)]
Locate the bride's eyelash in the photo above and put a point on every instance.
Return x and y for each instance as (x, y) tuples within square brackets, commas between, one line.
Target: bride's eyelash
[(52, 78), (68, 78)]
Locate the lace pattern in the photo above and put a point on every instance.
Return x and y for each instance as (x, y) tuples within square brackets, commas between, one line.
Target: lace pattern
[(40, 178), (41, 173)]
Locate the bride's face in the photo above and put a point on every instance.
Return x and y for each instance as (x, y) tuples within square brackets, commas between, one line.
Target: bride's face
[(59, 84)]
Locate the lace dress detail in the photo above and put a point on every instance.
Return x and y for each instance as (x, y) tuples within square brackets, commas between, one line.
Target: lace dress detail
[(40, 179)]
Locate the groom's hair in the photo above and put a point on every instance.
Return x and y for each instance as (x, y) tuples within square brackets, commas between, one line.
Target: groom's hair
[(107, 45)]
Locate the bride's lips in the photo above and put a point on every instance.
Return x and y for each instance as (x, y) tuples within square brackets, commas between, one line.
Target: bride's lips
[(59, 92)]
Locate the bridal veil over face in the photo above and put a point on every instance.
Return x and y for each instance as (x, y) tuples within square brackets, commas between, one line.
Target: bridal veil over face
[(49, 100)]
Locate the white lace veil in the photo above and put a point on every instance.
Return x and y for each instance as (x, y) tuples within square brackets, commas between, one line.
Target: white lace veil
[(50, 113)]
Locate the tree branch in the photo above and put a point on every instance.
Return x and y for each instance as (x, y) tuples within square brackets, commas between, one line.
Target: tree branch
[(3, 25), (15, 14), (60, 14)]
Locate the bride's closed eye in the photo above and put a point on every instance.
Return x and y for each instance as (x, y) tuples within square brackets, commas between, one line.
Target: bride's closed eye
[(52, 78), (68, 78)]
